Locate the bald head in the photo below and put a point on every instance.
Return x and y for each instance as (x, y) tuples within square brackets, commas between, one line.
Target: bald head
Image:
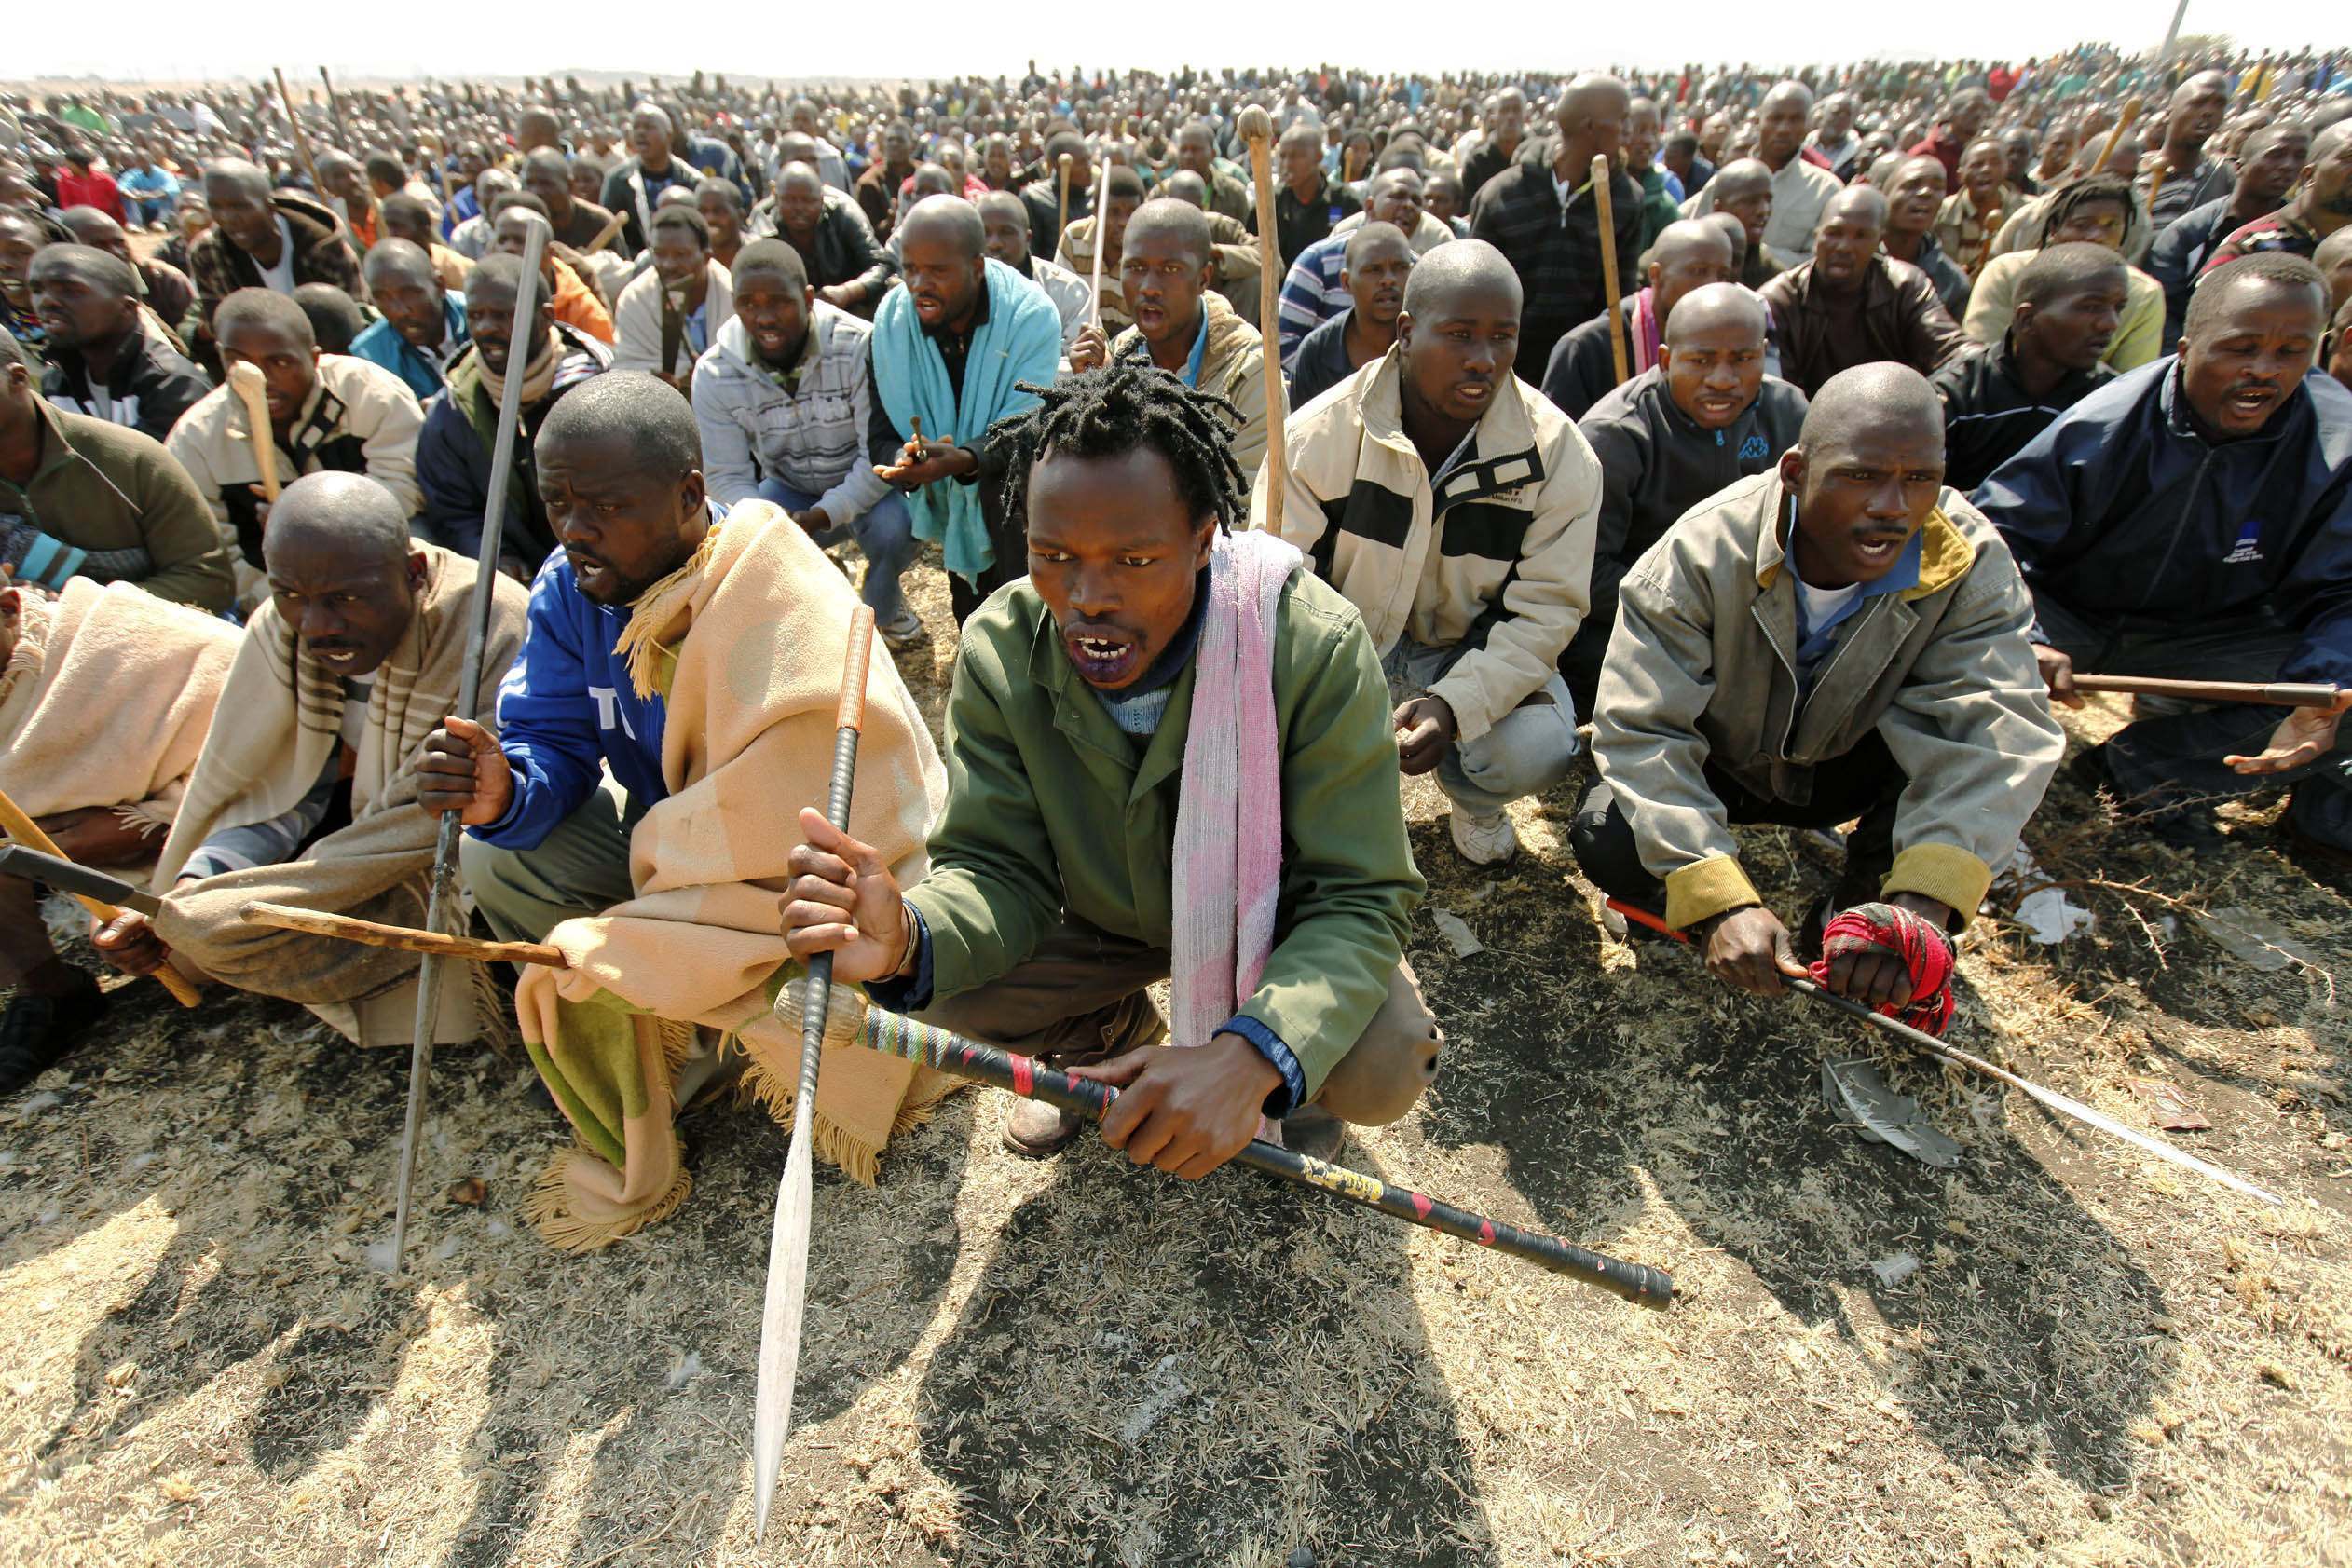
[(1591, 112), (235, 173), (944, 220), (1456, 272), (1687, 238), (1713, 306), (1882, 397), (1182, 185), (1180, 220), (348, 515), (398, 260), (1857, 204), (1744, 176)]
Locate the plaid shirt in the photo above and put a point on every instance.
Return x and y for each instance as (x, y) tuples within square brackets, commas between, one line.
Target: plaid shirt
[(1556, 254)]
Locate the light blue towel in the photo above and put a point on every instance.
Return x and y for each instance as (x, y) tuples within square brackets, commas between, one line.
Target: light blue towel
[(1021, 341)]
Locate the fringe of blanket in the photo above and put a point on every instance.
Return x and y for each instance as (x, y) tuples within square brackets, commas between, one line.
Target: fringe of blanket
[(774, 1094), (493, 1007), (652, 612), (551, 1207), (548, 1206)]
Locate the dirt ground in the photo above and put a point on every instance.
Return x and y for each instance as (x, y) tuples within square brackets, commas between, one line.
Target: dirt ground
[(2098, 1360)]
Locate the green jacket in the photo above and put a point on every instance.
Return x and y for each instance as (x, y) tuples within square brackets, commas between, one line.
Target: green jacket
[(1053, 809), (103, 487)]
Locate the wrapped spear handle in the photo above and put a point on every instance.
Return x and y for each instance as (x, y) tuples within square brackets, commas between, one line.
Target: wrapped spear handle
[(852, 1022)]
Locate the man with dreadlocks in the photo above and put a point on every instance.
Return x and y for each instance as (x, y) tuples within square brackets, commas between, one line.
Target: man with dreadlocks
[(2096, 210), (1171, 756), (690, 653)]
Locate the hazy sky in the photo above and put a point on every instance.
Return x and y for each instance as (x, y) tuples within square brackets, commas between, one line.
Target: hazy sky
[(150, 39)]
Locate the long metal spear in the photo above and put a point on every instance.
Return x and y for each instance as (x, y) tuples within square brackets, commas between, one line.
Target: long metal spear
[(788, 1242), (442, 898), (1944, 1051)]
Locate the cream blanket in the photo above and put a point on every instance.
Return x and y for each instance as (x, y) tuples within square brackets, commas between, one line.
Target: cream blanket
[(106, 699), (745, 646), (278, 723)]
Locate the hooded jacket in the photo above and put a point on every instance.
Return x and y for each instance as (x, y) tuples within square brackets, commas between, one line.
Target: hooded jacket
[(148, 387), (1232, 365), (453, 454), (1497, 554), (807, 430), (2122, 510), (105, 488), (320, 256), (1657, 463), (1702, 671)]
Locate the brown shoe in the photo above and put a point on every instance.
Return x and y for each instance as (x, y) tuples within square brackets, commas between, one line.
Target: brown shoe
[(1036, 1130)]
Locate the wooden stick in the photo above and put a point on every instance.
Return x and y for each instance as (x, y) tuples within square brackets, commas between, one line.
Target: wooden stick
[(786, 1298), (1061, 204), (1944, 1052), (2156, 183), (2115, 137), (407, 939), (1102, 241), (605, 235), (335, 107), (245, 381), (1602, 203), (1257, 128), (442, 889), (2282, 694), (302, 142), (25, 831)]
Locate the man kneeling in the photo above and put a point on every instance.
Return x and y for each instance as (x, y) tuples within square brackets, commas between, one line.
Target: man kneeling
[(1843, 638), (695, 651), (344, 670), (1163, 717)]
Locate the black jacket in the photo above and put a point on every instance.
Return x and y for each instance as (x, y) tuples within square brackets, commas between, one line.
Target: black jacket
[(844, 251), (1657, 464), (150, 385), (1322, 361), (1987, 416)]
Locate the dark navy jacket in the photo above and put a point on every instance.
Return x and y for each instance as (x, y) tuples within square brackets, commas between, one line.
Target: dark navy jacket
[(2121, 510)]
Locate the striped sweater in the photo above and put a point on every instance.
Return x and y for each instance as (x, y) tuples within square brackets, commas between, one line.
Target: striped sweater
[(807, 428)]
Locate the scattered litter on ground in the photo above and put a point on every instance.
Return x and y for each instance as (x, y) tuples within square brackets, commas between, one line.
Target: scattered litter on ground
[(2167, 1106), (1456, 932), (2254, 937), (1855, 1086)]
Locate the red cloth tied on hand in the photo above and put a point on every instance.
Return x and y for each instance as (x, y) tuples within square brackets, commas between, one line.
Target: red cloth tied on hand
[(1896, 933)]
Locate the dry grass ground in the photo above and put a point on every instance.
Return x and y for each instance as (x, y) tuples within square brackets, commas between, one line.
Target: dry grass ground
[(2099, 1361)]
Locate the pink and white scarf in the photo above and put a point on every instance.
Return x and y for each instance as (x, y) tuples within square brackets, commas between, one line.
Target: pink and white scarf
[(1647, 333), (1228, 856)]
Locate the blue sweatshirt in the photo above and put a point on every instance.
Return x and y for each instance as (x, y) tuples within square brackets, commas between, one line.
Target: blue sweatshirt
[(565, 706), (2122, 509)]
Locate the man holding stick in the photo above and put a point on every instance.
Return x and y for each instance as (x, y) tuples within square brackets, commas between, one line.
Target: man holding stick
[(1545, 218), (1841, 636), (694, 653), (1109, 758), (2195, 518), (343, 670)]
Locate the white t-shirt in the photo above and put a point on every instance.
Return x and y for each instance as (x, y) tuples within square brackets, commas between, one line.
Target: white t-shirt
[(281, 278), (1820, 604)]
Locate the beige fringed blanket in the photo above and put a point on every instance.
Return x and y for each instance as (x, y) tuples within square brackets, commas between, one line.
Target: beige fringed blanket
[(745, 644), (277, 728), (106, 697)]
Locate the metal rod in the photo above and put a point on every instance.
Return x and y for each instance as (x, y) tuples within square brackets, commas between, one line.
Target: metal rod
[(442, 897)]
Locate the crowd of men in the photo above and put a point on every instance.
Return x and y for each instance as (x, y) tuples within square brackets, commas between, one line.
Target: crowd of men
[(1745, 448)]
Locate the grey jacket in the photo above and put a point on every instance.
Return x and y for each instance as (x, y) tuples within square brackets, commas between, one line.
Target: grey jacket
[(810, 435), (1702, 671)]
